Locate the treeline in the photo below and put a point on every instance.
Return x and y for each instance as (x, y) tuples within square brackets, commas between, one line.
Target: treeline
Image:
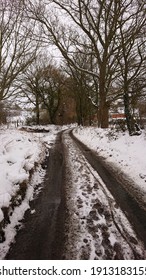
[(101, 44)]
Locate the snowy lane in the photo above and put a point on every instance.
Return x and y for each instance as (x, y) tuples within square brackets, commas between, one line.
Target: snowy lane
[(97, 227), (126, 201), (36, 238), (76, 215)]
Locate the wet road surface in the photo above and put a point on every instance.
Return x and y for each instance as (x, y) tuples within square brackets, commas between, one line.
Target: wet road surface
[(42, 236), (37, 239), (135, 214)]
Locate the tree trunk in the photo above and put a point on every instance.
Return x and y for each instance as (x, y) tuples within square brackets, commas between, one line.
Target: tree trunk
[(52, 116), (103, 110), (79, 110), (128, 115), (38, 117), (103, 114), (37, 110)]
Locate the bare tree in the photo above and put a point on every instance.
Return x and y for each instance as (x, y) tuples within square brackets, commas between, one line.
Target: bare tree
[(42, 84), (132, 57), (29, 89), (17, 46), (51, 90), (84, 90), (93, 28), (92, 24), (3, 113)]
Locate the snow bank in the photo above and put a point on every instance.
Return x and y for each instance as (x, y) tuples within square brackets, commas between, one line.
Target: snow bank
[(127, 152), (18, 154), (21, 155)]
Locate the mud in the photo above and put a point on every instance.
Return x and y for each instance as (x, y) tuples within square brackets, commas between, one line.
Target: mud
[(43, 235), (131, 208), (37, 238)]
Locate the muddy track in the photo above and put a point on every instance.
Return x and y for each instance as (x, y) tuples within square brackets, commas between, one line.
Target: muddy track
[(41, 236), (43, 233), (135, 214)]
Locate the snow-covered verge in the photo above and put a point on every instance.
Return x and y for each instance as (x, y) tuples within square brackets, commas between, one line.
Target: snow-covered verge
[(21, 172), (125, 152), (96, 228)]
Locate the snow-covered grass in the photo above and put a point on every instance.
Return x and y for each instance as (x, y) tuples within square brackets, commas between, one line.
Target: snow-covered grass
[(21, 156), (18, 154), (125, 152)]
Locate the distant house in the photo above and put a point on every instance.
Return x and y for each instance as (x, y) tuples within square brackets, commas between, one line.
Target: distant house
[(120, 116), (11, 115)]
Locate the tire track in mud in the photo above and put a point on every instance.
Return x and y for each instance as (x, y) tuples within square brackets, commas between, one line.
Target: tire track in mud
[(97, 227), (41, 236), (132, 210)]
